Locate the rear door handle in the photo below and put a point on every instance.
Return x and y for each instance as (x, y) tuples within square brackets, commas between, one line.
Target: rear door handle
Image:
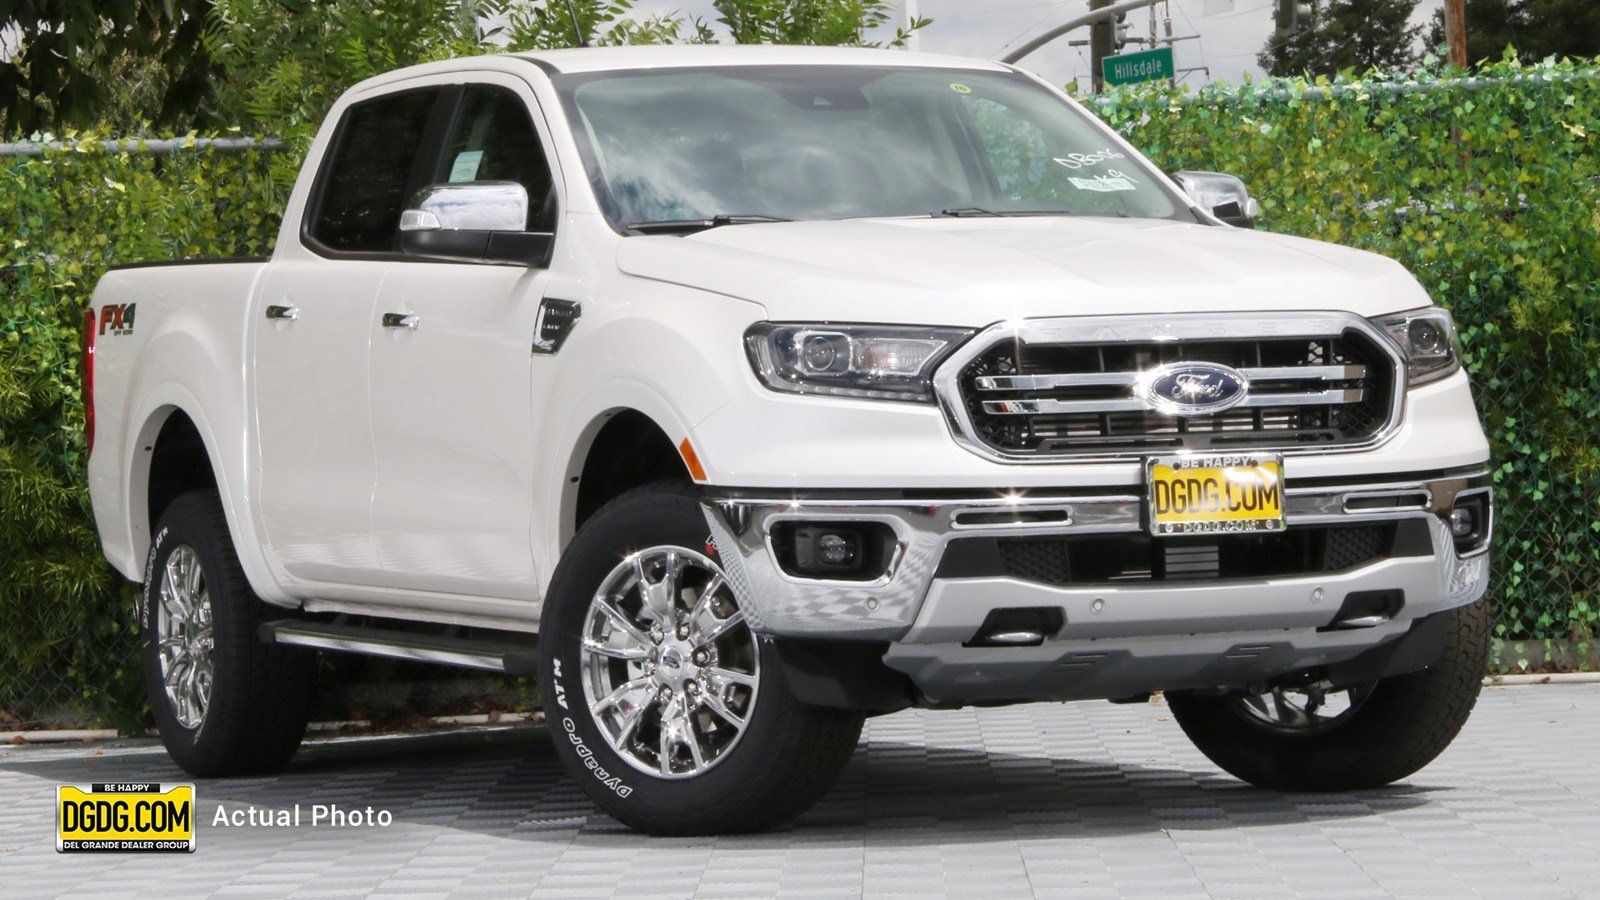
[(283, 312), (400, 320)]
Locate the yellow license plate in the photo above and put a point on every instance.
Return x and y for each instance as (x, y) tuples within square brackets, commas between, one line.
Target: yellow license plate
[(1215, 494)]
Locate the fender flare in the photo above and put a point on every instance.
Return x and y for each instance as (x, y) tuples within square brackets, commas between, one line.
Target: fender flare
[(597, 407)]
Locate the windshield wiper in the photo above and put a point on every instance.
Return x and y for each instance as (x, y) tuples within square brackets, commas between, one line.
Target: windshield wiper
[(670, 226), (963, 211)]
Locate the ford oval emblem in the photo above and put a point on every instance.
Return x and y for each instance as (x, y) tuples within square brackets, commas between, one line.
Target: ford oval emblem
[(1194, 389)]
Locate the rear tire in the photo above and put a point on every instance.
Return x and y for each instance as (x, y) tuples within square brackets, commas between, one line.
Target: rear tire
[(1397, 725), (224, 702), (660, 653)]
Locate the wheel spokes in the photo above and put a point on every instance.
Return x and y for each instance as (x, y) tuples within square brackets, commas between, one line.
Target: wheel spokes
[(1301, 708), (712, 700), (620, 620), (184, 637), (664, 750), (728, 676), (702, 604), (615, 698), (1289, 715), (721, 627), (691, 741)]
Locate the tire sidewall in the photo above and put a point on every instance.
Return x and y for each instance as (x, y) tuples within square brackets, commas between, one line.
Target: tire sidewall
[(619, 788)]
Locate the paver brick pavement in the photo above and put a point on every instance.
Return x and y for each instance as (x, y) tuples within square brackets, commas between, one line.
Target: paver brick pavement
[(1057, 800)]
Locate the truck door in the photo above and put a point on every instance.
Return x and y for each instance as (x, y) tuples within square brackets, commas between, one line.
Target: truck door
[(311, 333), (452, 410)]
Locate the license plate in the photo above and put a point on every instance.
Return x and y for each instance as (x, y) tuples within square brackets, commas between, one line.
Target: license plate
[(1215, 494)]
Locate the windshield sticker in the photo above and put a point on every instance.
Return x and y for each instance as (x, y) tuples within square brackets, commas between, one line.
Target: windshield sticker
[(960, 88), (1108, 183), (1085, 160), (466, 166)]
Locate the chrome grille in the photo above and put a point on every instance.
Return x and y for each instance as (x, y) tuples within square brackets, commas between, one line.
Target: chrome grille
[(1324, 381)]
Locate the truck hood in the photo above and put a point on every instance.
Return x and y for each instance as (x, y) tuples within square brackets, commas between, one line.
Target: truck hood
[(971, 272)]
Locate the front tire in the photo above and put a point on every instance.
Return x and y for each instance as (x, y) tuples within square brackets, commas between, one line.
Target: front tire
[(224, 702), (670, 712), (1386, 730)]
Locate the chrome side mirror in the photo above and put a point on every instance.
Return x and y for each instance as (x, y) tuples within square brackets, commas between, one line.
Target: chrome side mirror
[(479, 221), (1224, 196)]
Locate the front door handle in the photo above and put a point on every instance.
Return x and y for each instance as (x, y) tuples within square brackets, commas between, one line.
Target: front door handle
[(400, 320), (289, 313)]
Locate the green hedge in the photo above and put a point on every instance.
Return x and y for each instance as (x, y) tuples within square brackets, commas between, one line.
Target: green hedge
[(1487, 190), (65, 649)]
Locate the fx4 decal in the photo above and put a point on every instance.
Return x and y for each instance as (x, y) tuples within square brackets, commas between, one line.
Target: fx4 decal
[(117, 320)]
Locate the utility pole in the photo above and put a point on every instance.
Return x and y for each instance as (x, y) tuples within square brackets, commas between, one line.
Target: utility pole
[(1101, 37), (1290, 16), (1455, 31), (914, 39)]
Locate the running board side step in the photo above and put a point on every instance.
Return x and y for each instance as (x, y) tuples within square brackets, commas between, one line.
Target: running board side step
[(492, 654)]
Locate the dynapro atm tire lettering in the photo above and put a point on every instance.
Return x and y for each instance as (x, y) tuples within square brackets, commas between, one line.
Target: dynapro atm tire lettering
[(584, 753)]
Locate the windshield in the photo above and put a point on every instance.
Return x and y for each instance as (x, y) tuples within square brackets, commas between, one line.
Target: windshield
[(837, 142)]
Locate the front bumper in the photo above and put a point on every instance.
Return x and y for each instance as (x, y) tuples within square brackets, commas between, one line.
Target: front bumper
[(1117, 639)]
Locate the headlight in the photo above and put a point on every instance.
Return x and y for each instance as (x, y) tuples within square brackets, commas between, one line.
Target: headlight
[(872, 361), (1427, 338)]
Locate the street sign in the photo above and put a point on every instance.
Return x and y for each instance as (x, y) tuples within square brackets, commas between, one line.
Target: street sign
[(1147, 65)]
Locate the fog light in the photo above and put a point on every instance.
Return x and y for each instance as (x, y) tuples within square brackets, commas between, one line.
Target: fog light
[(837, 549), (1469, 522)]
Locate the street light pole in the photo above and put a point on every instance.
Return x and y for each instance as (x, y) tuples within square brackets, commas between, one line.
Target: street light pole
[(1078, 22), (1100, 40)]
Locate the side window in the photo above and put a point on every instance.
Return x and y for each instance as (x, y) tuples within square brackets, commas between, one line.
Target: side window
[(364, 184), (494, 140)]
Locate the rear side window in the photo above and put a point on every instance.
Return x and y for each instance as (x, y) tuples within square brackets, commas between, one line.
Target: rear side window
[(364, 184), (494, 140)]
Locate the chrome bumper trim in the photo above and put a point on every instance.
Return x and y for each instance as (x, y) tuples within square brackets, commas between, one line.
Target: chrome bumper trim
[(776, 603)]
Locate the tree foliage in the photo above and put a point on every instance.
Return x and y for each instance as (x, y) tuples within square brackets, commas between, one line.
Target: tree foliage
[(277, 65), (286, 61), (824, 22), (1534, 29), (73, 57), (1346, 35)]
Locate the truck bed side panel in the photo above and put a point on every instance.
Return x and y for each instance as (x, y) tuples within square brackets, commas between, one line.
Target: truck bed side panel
[(181, 348)]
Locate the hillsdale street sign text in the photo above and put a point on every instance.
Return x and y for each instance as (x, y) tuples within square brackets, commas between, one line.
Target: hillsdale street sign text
[(1148, 65)]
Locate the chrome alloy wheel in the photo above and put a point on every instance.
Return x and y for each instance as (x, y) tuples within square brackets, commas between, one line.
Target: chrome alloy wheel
[(670, 667), (1302, 709), (184, 636)]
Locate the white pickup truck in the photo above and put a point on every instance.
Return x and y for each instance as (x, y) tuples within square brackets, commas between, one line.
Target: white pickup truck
[(741, 393)]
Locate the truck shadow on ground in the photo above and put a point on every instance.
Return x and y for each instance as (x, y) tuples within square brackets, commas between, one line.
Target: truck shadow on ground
[(508, 783)]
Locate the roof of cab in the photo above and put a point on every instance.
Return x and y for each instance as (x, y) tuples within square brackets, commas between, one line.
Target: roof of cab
[(603, 59), (608, 59)]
